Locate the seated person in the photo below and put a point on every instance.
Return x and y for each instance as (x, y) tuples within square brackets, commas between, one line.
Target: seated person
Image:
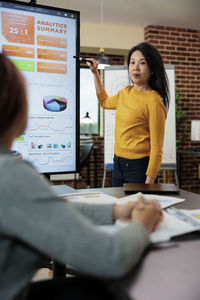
[(35, 223)]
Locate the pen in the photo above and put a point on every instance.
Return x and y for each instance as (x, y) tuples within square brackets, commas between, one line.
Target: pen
[(80, 59)]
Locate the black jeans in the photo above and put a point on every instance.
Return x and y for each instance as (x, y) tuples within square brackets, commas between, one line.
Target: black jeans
[(73, 288), (129, 170)]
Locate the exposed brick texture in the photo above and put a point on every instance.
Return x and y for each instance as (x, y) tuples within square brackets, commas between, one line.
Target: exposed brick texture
[(181, 48)]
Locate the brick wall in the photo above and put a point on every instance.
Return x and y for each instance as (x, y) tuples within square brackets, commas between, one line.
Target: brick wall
[(181, 48)]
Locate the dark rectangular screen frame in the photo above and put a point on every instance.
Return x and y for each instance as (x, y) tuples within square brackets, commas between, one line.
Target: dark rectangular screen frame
[(48, 10)]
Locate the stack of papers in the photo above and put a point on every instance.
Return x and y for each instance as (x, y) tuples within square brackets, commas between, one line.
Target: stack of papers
[(192, 216), (172, 226), (101, 198), (164, 201), (90, 197), (176, 221)]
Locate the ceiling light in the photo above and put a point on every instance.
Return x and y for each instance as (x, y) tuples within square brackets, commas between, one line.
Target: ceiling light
[(103, 60)]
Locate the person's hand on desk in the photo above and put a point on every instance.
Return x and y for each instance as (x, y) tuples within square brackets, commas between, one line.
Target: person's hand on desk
[(123, 212), (148, 213)]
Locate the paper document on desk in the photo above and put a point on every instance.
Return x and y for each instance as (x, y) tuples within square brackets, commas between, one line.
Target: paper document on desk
[(173, 226), (193, 215), (62, 189), (164, 201), (101, 198), (90, 197)]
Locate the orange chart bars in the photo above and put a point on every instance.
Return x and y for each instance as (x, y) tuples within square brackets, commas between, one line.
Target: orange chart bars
[(51, 54), (44, 40), (51, 68), (18, 51)]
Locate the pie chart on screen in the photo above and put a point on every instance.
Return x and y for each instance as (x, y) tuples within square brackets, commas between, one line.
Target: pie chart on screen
[(54, 103)]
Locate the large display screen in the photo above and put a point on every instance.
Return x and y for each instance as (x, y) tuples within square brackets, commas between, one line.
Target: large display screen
[(41, 41)]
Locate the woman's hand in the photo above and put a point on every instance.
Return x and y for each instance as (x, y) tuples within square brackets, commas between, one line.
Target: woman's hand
[(123, 211), (148, 213), (149, 180), (97, 80), (93, 67)]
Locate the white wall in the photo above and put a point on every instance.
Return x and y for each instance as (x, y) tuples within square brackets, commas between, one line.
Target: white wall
[(114, 37)]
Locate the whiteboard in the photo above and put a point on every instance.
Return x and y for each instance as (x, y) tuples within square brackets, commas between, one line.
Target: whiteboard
[(116, 78)]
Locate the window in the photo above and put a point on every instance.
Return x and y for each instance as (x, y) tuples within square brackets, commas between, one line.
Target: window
[(89, 105)]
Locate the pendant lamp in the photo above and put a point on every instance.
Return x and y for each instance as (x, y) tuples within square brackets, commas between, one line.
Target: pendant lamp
[(103, 60), (86, 124)]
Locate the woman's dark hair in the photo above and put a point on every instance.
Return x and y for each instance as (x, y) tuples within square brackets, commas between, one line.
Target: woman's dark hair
[(12, 93), (158, 80)]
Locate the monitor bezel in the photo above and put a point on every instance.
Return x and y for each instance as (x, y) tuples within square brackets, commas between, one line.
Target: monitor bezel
[(77, 13)]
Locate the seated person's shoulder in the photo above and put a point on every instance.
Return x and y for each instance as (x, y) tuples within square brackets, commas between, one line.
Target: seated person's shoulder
[(21, 175)]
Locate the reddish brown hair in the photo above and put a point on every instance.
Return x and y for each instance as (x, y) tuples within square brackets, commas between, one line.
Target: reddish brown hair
[(12, 93)]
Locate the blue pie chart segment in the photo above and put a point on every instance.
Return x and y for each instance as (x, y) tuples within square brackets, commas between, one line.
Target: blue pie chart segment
[(54, 104)]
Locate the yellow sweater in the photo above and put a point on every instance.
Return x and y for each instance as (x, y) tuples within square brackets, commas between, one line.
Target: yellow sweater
[(140, 125)]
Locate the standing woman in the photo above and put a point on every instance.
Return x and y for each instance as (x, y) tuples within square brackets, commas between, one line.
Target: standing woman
[(141, 111)]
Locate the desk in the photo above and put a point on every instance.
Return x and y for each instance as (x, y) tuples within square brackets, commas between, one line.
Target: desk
[(179, 153), (167, 273), (170, 273), (164, 273)]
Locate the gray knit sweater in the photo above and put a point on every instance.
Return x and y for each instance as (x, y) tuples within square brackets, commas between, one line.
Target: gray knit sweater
[(34, 223)]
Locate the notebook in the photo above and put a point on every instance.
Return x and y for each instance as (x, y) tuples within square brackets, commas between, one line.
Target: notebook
[(156, 188)]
